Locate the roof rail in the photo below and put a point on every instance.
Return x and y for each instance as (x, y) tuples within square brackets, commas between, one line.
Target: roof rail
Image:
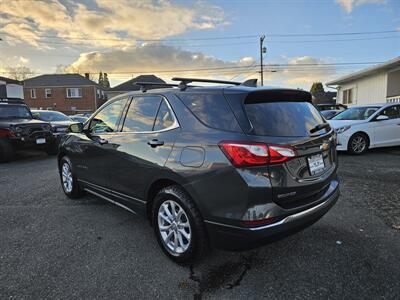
[(6, 100), (144, 86), (184, 81)]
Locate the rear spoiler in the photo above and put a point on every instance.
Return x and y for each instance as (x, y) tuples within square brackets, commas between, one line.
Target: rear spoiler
[(278, 95)]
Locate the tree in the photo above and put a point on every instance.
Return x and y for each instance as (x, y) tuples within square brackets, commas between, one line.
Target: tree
[(101, 79), (19, 73), (106, 82), (317, 87)]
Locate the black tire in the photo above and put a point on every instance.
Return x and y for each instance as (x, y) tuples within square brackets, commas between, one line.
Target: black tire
[(76, 191), (198, 244), (358, 144), (6, 151)]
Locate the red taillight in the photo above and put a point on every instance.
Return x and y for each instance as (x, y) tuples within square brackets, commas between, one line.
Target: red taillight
[(255, 154), (280, 154)]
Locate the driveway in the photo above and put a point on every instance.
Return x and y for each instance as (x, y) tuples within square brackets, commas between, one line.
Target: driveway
[(53, 247)]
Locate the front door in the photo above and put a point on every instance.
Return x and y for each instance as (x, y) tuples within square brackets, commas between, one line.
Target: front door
[(387, 132), (144, 144), (94, 148)]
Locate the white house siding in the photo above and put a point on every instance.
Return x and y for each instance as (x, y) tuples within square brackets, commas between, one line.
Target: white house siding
[(367, 90)]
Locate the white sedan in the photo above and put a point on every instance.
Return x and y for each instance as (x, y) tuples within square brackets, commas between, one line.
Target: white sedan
[(360, 128)]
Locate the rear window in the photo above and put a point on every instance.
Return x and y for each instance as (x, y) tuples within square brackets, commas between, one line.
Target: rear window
[(212, 110), (283, 118)]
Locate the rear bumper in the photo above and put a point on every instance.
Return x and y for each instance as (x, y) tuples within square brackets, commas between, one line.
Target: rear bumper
[(230, 237), (30, 141)]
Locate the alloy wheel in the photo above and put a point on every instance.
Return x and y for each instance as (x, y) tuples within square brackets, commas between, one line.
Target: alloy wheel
[(66, 175), (358, 144), (174, 227)]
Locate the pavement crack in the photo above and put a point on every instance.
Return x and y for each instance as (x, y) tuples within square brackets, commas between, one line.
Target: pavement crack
[(199, 290), (246, 262)]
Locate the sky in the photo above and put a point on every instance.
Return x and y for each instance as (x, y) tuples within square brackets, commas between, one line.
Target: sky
[(305, 40)]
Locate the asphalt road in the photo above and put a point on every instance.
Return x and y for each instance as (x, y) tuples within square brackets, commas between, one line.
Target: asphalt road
[(55, 248)]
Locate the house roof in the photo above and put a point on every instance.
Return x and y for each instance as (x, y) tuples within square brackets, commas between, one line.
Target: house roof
[(9, 80), (58, 80), (130, 84), (391, 64)]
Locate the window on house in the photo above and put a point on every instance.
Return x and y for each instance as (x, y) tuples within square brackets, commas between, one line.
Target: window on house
[(47, 93), (348, 96), (33, 93), (74, 93)]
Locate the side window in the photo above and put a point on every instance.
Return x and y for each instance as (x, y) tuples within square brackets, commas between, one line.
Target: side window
[(164, 117), (392, 112), (107, 119), (141, 114), (212, 110)]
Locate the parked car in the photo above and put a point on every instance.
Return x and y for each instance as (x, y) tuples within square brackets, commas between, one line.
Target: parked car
[(79, 118), (207, 164), (360, 128), (339, 106), (329, 114), (18, 130), (58, 121)]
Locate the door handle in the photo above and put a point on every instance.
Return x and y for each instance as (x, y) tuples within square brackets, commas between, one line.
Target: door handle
[(155, 143), (102, 141)]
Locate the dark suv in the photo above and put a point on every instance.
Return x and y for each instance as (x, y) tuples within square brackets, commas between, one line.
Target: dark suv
[(236, 166), (19, 130)]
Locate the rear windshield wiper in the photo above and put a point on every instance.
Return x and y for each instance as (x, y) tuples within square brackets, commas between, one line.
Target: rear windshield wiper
[(319, 127)]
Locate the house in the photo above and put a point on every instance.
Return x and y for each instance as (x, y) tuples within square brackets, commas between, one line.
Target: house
[(129, 85), (11, 89), (68, 93), (377, 84)]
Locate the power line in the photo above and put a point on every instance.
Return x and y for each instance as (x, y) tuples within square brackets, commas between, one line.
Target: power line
[(220, 37), (232, 68)]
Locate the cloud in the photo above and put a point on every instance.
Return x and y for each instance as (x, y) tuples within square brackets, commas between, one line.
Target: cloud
[(349, 5), (106, 23), (148, 59), (314, 70)]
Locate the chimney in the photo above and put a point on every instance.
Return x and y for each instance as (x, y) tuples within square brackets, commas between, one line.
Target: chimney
[(87, 75)]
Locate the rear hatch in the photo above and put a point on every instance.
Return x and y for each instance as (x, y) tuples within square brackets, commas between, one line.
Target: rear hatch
[(287, 118)]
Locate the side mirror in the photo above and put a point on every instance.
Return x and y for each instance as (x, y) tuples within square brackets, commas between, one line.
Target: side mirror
[(75, 128), (382, 118)]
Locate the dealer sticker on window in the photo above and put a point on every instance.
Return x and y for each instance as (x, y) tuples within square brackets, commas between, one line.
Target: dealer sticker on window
[(40, 141), (316, 164)]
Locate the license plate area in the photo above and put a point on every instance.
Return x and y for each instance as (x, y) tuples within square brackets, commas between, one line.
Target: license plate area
[(316, 164), (40, 141)]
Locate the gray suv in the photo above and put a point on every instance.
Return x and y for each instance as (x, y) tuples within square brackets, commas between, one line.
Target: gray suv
[(234, 166)]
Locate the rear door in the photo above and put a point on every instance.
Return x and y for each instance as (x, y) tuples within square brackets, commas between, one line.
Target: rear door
[(141, 148), (280, 119), (387, 132)]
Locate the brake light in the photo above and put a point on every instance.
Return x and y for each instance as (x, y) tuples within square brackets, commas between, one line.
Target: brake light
[(256, 154)]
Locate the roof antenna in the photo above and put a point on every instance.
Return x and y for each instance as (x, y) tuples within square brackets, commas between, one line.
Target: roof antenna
[(250, 82)]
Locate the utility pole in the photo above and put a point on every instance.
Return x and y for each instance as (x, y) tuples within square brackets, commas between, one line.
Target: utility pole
[(262, 51)]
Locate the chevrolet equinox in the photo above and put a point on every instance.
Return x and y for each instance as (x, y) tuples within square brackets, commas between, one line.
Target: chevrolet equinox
[(234, 165)]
